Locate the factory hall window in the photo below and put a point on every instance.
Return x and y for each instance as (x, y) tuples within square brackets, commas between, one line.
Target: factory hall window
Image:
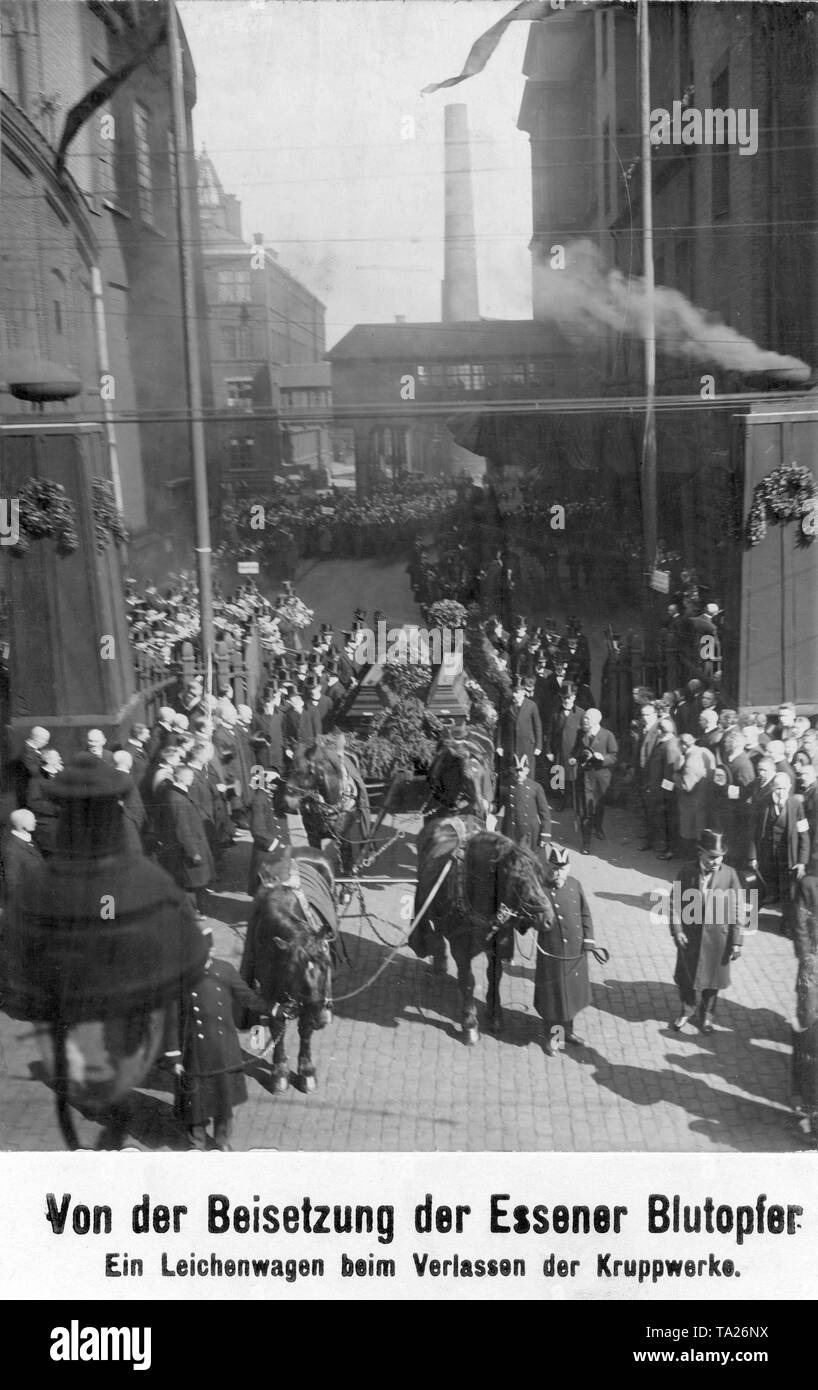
[(240, 393), (241, 454), (144, 173), (236, 342), (233, 286)]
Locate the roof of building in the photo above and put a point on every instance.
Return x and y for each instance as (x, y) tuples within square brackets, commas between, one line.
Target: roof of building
[(456, 342), (298, 375)]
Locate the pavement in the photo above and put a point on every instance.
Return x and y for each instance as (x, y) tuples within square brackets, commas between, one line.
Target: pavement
[(393, 1071)]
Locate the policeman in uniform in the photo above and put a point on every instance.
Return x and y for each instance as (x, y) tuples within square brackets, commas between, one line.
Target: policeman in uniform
[(525, 817), (561, 984)]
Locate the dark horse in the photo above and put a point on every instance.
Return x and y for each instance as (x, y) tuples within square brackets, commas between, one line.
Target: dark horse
[(334, 802), (461, 775), (287, 955), (491, 886)]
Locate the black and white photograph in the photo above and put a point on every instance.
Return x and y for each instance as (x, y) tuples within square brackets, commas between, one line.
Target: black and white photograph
[(408, 624)]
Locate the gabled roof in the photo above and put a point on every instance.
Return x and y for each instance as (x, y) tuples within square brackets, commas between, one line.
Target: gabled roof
[(483, 340)]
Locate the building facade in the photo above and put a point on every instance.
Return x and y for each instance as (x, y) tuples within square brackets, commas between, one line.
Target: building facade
[(90, 268), (261, 320), (735, 229)]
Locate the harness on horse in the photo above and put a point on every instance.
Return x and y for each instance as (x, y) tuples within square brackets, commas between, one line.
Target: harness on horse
[(498, 919)]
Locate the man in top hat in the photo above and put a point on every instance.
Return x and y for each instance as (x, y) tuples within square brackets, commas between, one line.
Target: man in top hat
[(336, 695), (707, 916), (525, 816), (267, 732), (517, 646), (348, 668), (316, 709), (520, 728), (561, 736), (561, 985), (594, 757), (549, 686), (268, 826)]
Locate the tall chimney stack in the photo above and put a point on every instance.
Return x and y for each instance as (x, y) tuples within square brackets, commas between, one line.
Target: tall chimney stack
[(459, 289)]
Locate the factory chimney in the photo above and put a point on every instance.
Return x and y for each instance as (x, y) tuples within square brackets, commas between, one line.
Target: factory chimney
[(459, 288)]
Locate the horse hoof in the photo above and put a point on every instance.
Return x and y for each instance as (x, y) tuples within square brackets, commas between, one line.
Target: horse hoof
[(496, 1025), (470, 1036), (280, 1084), (307, 1084)]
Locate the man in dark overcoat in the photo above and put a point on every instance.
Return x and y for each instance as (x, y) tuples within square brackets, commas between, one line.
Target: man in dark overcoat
[(779, 846), (206, 1054), (525, 816), (706, 922), (185, 850), (268, 827), (594, 756), (520, 729), (267, 732), (560, 738), (561, 985)]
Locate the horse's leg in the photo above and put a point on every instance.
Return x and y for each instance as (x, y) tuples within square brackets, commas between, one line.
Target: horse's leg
[(306, 1066), (465, 978), (494, 975), (280, 1067)]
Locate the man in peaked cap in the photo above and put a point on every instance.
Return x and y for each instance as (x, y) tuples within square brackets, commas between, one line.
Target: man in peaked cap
[(707, 916), (525, 816), (561, 984)]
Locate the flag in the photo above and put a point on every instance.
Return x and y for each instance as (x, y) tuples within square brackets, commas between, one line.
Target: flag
[(482, 49), (98, 95)]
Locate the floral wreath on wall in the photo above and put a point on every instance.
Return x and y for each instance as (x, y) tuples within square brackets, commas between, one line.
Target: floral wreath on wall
[(107, 516), (786, 494), (46, 510)]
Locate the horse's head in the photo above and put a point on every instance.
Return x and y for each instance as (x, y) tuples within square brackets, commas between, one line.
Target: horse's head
[(520, 887), (301, 964), (455, 777)]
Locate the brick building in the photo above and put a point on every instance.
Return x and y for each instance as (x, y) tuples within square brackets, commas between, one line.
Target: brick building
[(736, 232), (261, 319), (90, 267)]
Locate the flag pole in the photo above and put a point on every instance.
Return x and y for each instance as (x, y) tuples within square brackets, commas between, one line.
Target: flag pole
[(183, 177), (648, 472)]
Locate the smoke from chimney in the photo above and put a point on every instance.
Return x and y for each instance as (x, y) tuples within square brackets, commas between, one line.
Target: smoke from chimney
[(459, 289), (586, 296)]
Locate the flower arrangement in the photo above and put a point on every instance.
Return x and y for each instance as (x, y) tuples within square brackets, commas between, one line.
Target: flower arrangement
[(446, 613), (293, 611), (786, 494), (402, 738), (46, 510), (107, 516)]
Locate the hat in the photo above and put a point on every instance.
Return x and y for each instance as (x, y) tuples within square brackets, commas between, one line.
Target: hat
[(518, 684), (519, 621), (558, 857), (326, 629), (520, 761), (346, 634), (360, 614), (712, 842), (312, 683)]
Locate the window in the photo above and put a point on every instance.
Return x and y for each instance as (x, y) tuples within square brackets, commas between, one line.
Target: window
[(144, 173), (720, 157), (237, 341), (241, 454), (240, 393), (233, 286), (513, 374)]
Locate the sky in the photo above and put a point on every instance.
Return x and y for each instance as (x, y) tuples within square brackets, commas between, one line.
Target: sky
[(305, 107)]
